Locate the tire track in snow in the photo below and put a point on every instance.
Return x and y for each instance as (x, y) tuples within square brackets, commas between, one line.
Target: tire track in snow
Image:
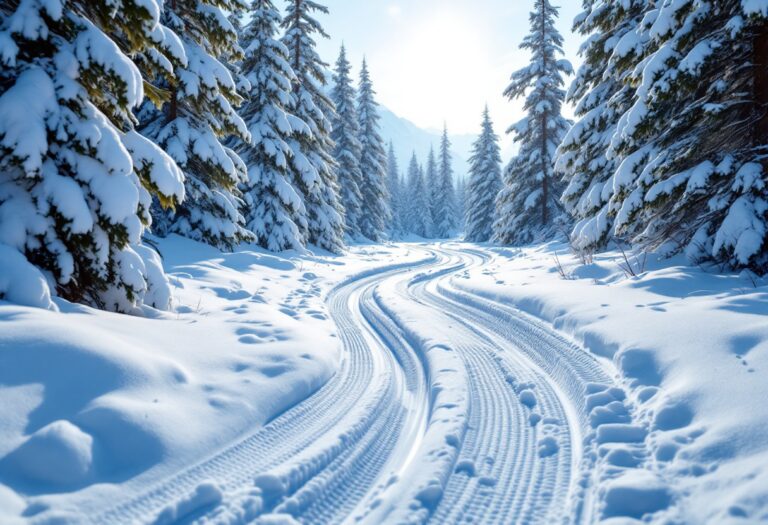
[(526, 488), (293, 458), (490, 419), (614, 469)]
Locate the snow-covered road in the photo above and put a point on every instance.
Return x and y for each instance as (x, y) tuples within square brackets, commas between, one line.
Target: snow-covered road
[(447, 408)]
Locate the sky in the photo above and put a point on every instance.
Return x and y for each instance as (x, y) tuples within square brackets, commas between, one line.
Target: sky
[(436, 61)]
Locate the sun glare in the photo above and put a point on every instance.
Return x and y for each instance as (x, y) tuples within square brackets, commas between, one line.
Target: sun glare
[(441, 62)]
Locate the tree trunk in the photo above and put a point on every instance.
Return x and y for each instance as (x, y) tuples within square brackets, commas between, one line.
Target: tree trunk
[(760, 60)]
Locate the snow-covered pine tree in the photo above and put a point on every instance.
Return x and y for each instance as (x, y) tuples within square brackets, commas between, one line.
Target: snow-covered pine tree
[(601, 93), (461, 204), (194, 124), (76, 180), (373, 159), (444, 218), (273, 210), (528, 206), (694, 145), (234, 60), (348, 149), (314, 167), (484, 184), (417, 200), (394, 187), (432, 181)]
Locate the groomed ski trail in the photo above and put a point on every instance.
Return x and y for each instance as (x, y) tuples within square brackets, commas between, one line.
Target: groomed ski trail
[(448, 407)]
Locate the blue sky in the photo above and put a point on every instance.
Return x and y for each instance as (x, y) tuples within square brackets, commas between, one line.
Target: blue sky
[(440, 60)]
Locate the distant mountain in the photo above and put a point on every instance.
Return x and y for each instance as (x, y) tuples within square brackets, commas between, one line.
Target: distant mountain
[(407, 137)]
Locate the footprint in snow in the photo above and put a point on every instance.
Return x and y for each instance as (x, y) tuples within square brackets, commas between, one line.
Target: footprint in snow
[(548, 447)]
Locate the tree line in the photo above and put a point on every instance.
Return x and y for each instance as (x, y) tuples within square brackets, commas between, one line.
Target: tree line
[(173, 117), (427, 202), (669, 151)]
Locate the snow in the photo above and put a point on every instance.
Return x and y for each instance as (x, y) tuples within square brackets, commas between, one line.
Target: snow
[(59, 454), (755, 7), (666, 422), (689, 346), (94, 49), (24, 109), (110, 400), (206, 494), (21, 282), (162, 171), (635, 494)]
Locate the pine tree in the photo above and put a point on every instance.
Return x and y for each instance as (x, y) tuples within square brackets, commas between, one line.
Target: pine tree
[(694, 144), (461, 204), (234, 59), (396, 225), (405, 212), (601, 93), (484, 184), (273, 209), (417, 221), (194, 124), (433, 187), (528, 206), (373, 161), (445, 201), (314, 169), (76, 180), (348, 149)]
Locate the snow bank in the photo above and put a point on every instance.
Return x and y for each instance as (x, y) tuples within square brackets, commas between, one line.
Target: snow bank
[(691, 348), (59, 454)]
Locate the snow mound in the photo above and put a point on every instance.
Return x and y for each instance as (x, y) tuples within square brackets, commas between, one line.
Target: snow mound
[(59, 454), (22, 283)]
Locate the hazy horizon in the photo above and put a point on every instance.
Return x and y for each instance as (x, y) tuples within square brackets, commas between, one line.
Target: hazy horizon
[(440, 61)]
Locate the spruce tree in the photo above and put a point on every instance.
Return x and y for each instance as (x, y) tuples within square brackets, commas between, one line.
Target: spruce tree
[(694, 144), (444, 219), (396, 226), (273, 209), (373, 162), (602, 92), (433, 187), (76, 180), (461, 204), (348, 149), (314, 169), (405, 212), (484, 184), (417, 221), (233, 60), (194, 124), (528, 206)]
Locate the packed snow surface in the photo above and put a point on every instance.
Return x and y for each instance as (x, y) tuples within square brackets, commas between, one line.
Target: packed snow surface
[(405, 383)]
